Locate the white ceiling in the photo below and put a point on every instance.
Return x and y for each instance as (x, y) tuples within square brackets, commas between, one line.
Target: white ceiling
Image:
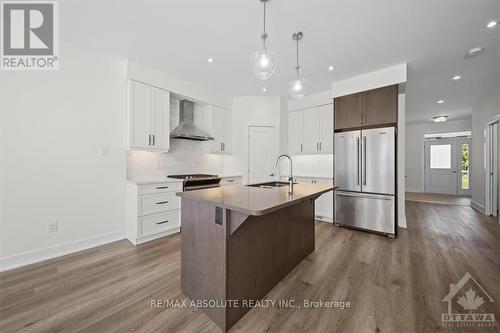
[(355, 36)]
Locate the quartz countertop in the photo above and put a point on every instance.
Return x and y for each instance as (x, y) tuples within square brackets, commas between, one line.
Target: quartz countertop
[(153, 180), (255, 200)]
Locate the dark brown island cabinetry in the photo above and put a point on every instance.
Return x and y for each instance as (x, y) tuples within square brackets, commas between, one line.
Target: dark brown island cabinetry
[(372, 108)]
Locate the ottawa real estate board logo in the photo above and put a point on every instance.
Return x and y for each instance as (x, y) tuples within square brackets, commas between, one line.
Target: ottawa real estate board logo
[(469, 305), (30, 35)]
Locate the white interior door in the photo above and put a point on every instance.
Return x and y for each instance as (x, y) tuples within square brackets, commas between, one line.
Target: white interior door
[(262, 153), (441, 167)]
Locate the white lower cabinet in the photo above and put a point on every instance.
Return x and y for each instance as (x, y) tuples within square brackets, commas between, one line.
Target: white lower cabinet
[(153, 210), (324, 204)]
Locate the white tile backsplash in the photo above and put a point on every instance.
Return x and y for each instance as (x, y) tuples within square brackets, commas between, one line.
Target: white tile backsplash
[(184, 156)]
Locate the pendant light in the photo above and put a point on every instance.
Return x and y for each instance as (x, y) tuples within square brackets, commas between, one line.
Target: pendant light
[(264, 61), (298, 87)]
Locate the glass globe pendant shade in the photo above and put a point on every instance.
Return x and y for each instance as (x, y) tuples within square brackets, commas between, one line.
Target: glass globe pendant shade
[(298, 87), (264, 63)]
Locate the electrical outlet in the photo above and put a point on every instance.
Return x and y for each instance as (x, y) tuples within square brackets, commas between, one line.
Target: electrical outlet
[(52, 227)]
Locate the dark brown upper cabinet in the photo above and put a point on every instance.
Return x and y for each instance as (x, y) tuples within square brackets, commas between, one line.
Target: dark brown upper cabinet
[(381, 106), (348, 111), (370, 108)]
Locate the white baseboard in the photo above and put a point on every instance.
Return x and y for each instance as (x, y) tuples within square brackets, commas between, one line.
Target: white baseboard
[(50, 252), (414, 189), (324, 218), (478, 207)]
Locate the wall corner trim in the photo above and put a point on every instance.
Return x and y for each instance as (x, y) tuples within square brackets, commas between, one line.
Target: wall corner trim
[(35, 256)]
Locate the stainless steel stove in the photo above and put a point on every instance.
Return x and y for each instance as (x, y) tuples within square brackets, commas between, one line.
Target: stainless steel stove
[(198, 181)]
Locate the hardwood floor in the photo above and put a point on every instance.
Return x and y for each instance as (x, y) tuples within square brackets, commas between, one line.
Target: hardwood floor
[(443, 199), (393, 285)]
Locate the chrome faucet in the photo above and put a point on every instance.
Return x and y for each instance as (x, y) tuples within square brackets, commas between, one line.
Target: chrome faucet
[(290, 176)]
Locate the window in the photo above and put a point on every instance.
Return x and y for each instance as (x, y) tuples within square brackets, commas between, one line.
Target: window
[(440, 157), (464, 166)]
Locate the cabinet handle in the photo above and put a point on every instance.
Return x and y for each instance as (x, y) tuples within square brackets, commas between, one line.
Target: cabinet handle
[(153, 139), (161, 187), (223, 146), (149, 139), (301, 147), (162, 222), (320, 146), (161, 202), (317, 146), (230, 180)]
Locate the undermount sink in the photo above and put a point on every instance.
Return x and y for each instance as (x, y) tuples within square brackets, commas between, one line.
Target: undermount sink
[(270, 184)]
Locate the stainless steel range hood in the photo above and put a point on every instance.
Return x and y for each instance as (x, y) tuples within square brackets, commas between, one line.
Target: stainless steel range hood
[(186, 128)]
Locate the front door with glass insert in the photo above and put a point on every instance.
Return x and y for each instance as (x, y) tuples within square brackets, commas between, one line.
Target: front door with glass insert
[(447, 166)]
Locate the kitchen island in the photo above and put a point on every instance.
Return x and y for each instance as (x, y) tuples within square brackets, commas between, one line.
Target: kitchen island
[(238, 242)]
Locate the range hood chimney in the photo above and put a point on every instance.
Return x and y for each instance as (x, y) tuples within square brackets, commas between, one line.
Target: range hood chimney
[(186, 128)]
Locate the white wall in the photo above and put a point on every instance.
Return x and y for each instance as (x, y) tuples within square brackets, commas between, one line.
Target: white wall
[(414, 160), (483, 110), (250, 111), (381, 78), (53, 125)]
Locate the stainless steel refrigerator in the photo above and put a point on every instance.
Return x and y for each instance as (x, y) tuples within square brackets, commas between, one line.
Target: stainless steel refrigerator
[(365, 171)]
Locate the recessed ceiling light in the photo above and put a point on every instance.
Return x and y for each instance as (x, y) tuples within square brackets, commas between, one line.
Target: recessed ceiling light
[(492, 24), (440, 101), (456, 77), (439, 119), (210, 60), (330, 68), (475, 51), (264, 89)]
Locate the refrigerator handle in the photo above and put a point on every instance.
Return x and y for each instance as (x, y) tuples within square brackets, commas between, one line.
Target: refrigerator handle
[(364, 160), (357, 161)]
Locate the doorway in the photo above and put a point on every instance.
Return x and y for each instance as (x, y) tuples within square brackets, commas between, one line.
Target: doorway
[(262, 153), (447, 166)]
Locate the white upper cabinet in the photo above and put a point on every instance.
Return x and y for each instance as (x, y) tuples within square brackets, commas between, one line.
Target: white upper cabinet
[(311, 128), (295, 132), (148, 117), (310, 131), (160, 120), (326, 128), (221, 130)]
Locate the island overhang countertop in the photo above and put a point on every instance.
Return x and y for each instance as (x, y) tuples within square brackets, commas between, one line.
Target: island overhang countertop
[(256, 200)]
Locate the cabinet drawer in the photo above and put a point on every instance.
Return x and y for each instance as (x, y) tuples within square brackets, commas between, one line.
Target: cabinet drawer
[(154, 224), (151, 204), (231, 180), (159, 188)]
